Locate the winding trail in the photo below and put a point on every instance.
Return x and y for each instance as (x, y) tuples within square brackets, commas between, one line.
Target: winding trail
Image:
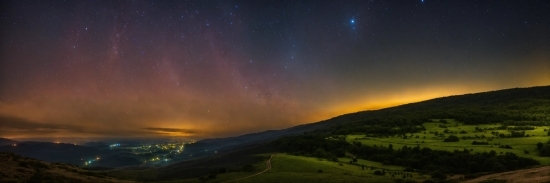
[(267, 169)]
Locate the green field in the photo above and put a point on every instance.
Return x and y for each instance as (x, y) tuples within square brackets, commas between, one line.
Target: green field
[(428, 139), (290, 168)]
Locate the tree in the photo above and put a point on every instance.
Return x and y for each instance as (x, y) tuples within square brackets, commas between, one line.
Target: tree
[(320, 153), (539, 145), (545, 151), (452, 138)]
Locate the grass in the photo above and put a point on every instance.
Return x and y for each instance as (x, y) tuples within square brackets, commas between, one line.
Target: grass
[(429, 139), (135, 175), (260, 166), (290, 168)]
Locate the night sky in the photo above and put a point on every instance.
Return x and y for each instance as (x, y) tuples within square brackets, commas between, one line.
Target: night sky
[(200, 69)]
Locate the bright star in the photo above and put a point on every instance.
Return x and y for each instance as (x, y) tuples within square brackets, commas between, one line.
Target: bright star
[(352, 21)]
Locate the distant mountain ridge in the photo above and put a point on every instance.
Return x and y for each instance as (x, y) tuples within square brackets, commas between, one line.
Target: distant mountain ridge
[(4, 141)]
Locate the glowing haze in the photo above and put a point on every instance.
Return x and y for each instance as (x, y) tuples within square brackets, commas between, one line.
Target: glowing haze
[(198, 69)]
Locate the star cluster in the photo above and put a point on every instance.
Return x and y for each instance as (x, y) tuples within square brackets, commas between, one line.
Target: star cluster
[(218, 68)]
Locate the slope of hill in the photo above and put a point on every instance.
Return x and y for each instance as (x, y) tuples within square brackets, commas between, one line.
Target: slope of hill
[(226, 144), (15, 168), (525, 105), (517, 104), (464, 134)]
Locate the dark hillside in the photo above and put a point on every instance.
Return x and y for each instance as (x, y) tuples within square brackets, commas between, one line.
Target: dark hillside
[(510, 105), (15, 168), (69, 153), (219, 163)]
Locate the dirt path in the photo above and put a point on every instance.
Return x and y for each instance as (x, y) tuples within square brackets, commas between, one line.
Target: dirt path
[(267, 169)]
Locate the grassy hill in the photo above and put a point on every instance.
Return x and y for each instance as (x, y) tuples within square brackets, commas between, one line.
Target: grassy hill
[(290, 168), (510, 105), (485, 140), (518, 104), (466, 134)]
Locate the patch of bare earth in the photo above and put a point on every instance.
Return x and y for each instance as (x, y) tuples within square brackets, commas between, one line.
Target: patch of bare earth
[(532, 175)]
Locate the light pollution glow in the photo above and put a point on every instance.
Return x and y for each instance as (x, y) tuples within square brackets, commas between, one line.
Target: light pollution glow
[(143, 70)]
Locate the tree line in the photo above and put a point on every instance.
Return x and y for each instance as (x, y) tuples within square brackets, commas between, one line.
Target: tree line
[(423, 159)]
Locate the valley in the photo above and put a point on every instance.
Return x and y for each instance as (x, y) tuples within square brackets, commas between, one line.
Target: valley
[(472, 137)]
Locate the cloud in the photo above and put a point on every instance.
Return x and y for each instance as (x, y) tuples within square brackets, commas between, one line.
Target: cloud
[(16, 127), (16, 123), (172, 130)]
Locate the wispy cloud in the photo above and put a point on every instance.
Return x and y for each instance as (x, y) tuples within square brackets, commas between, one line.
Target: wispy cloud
[(172, 130), (16, 127)]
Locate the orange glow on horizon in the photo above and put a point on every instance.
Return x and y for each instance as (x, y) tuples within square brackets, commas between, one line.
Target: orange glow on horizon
[(206, 129)]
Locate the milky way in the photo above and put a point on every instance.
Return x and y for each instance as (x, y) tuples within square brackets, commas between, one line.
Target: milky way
[(201, 69)]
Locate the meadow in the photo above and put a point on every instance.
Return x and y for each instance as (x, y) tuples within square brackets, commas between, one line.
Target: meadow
[(434, 135), (291, 168)]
